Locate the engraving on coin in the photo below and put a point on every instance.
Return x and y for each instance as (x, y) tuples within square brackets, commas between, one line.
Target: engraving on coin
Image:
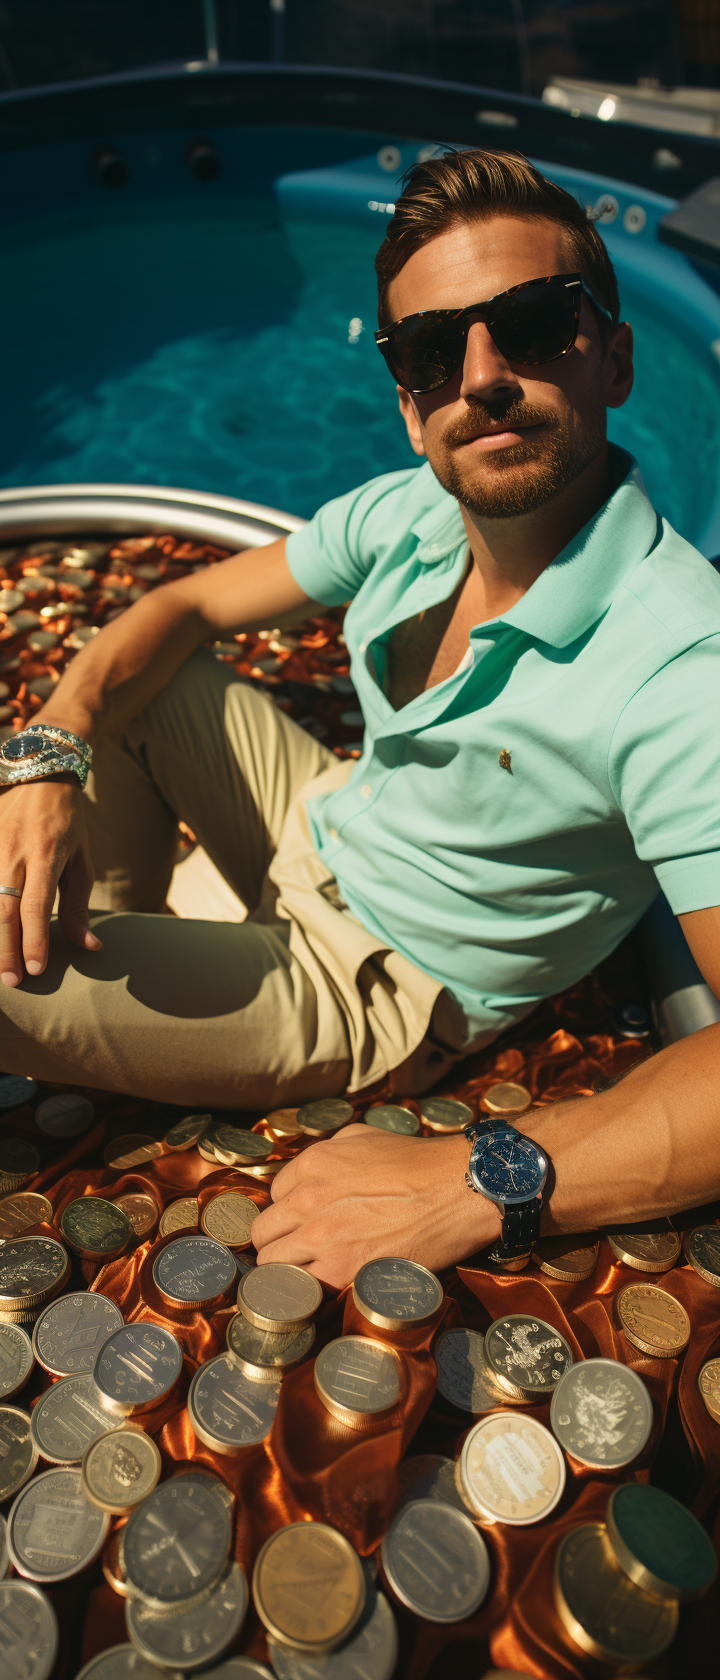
[(511, 1470), (277, 1297), (121, 1662), (588, 1579), (435, 1561), (647, 1249), (65, 1115), (445, 1114), (22, 1209), (233, 1145), (19, 1161), (69, 1333), (360, 1382), (18, 1452), (390, 1117), (397, 1294), (196, 1632), (137, 1367), (265, 1355), (141, 1210), (120, 1469), (702, 1249), (194, 1272), (653, 1320), (66, 1418), (506, 1098), (309, 1587), (94, 1228), (229, 1218), (30, 1269), (326, 1115), (53, 1530), (16, 1359), (28, 1624), (185, 1133), (602, 1413), (569, 1259), (463, 1374), (175, 1544), (370, 1653), (659, 1543), (179, 1216), (428, 1477), (135, 1150), (709, 1386), (228, 1411), (527, 1353)]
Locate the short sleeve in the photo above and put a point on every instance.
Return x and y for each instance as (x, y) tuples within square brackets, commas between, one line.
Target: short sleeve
[(331, 557), (664, 766)]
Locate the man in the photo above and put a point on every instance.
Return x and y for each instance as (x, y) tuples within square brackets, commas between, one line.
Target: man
[(533, 653)]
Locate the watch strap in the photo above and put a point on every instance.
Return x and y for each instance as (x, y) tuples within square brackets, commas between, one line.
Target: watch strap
[(521, 1224)]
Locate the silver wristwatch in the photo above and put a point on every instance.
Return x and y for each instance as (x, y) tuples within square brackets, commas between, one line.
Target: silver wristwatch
[(43, 749)]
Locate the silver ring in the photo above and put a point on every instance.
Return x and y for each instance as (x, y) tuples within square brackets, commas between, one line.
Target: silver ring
[(11, 892)]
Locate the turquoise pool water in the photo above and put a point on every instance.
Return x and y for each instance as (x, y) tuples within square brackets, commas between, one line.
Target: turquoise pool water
[(227, 346)]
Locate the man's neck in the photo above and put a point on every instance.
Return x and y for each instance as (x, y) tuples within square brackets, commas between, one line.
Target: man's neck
[(509, 554)]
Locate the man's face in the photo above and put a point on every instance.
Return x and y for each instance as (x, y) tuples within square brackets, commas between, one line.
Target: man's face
[(502, 437)]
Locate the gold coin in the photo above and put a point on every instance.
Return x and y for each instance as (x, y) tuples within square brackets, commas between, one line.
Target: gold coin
[(265, 1355), (506, 1099), (653, 1320), (235, 1146), (511, 1470), (186, 1133), (120, 1469), (283, 1122), (135, 1150), (19, 1161), (268, 1170), (647, 1249), (326, 1115), (603, 1611), (141, 1209), (229, 1218), (445, 1114), (360, 1382), (569, 1259), (181, 1215), (18, 1452), (95, 1229), (112, 1565), (709, 1386), (21, 1210), (278, 1297), (309, 1587), (702, 1249)]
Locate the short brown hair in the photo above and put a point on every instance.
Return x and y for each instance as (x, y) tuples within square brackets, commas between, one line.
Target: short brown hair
[(472, 186)]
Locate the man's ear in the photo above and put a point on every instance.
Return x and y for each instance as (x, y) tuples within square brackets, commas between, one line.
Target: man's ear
[(620, 372), (412, 421)]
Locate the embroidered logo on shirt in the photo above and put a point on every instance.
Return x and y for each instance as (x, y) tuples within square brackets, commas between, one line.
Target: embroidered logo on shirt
[(504, 760)]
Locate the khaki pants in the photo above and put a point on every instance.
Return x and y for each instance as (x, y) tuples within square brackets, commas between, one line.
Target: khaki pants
[(297, 1001)]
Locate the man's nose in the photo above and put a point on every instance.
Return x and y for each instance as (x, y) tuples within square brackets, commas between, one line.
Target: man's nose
[(485, 370)]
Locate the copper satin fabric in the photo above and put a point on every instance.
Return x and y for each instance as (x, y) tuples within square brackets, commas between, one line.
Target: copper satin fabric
[(314, 1467)]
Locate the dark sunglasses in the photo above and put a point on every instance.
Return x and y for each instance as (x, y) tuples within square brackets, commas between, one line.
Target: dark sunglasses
[(534, 322)]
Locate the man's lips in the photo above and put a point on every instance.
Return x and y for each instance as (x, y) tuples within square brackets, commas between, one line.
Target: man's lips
[(500, 437)]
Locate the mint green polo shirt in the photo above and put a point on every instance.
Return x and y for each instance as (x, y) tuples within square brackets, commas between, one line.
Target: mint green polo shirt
[(602, 686)]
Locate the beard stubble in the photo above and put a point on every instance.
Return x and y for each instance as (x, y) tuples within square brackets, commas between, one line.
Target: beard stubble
[(495, 487)]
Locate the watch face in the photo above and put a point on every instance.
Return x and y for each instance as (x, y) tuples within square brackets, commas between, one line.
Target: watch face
[(508, 1167)]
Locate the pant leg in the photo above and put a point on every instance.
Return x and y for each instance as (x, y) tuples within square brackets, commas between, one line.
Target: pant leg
[(209, 749)]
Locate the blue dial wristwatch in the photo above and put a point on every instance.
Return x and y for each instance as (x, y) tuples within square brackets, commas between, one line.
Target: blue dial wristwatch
[(511, 1170)]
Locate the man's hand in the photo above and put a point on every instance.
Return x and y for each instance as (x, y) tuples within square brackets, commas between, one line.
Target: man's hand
[(43, 847), (366, 1194)]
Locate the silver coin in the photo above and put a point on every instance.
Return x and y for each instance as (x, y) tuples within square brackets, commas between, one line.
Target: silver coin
[(67, 1418), (264, 1355), (18, 1452), (702, 1249), (279, 1297), (370, 1653), (234, 1145), (70, 1332), (446, 1113), (238, 1668), (601, 1413), (28, 1632), (16, 1359), (227, 1410), (122, 1662), (390, 1117), (186, 1132), (193, 1271), (137, 1367), (18, 1158), (397, 1294), (357, 1379), (326, 1115), (30, 1267), (14, 1090), (435, 1561), (428, 1477), (197, 1631), (463, 1374), (66, 1115), (53, 1530), (4, 1559), (527, 1353), (176, 1543)]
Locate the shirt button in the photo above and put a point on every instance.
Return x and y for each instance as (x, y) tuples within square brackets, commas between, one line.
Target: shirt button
[(333, 833), (366, 790)]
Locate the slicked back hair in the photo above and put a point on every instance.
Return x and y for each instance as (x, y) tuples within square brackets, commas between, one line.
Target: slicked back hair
[(462, 187)]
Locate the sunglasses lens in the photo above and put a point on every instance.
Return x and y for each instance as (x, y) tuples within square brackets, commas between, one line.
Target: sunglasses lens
[(535, 327), (425, 353)]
